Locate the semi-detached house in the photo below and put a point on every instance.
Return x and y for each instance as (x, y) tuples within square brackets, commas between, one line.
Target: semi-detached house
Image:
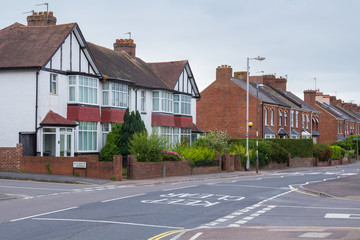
[(60, 94)]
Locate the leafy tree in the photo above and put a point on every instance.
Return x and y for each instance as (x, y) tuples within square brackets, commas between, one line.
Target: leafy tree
[(112, 145), (132, 124)]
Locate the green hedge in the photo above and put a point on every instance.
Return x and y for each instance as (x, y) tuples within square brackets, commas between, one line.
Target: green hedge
[(335, 152), (322, 152), (301, 148)]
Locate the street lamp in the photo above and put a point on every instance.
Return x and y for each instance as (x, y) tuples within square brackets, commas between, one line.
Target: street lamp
[(247, 107), (258, 85)]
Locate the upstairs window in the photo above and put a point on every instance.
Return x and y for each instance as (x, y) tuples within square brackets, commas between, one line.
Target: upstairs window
[(176, 103), (72, 88), (105, 98), (296, 119), (266, 117), (307, 121), (285, 118), (162, 101), (53, 84), (272, 117), (88, 90), (119, 95), (185, 104), (142, 101), (292, 118), (303, 120), (280, 118)]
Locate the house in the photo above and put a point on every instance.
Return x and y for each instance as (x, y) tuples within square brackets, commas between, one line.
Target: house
[(61, 94), (336, 123), (280, 113)]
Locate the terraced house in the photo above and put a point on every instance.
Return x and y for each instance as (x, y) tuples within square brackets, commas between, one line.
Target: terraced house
[(281, 114), (61, 94)]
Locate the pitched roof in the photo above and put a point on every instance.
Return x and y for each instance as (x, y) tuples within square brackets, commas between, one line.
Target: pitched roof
[(21, 46), (169, 72), (54, 119), (119, 65), (332, 110)]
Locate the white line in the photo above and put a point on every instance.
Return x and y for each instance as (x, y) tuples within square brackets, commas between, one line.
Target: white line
[(171, 189), (251, 186), (114, 199), (42, 214), (196, 236), (33, 188), (101, 221)]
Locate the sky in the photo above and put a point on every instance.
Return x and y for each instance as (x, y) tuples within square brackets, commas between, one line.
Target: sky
[(300, 39)]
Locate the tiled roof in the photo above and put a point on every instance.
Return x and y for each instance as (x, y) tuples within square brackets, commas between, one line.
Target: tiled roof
[(294, 132), (23, 46), (169, 72), (333, 111), (303, 104), (315, 133), (196, 129), (54, 119), (268, 130), (282, 132)]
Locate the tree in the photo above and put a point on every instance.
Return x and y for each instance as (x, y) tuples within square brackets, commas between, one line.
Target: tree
[(112, 145), (132, 124)]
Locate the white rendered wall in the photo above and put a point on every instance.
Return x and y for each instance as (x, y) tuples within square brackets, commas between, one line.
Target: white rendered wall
[(17, 108)]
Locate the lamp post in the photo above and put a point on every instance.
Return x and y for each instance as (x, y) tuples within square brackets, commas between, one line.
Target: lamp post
[(257, 126), (247, 107)]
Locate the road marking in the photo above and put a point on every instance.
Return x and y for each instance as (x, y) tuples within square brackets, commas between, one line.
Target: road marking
[(120, 198), (196, 236), (250, 186), (165, 234), (33, 188), (42, 214), (342, 216), (171, 189), (102, 221), (315, 235)]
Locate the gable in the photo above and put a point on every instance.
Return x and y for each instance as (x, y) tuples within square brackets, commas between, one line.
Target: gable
[(186, 82)]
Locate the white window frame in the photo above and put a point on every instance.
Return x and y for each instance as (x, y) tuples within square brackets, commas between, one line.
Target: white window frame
[(119, 95), (303, 120), (142, 100), (296, 119), (185, 104), (72, 89), (280, 117), (106, 94), (85, 140), (162, 101), (272, 117), (292, 118), (82, 85), (307, 121), (285, 118), (53, 84), (266, 117)]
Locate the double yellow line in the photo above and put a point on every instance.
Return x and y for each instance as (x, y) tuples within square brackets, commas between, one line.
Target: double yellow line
[(165, 234)]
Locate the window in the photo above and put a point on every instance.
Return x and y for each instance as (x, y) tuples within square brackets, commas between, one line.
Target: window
[(285, 118), (185, 104), (87, 137), (53, 84), (174, 135), (280, 118), (307, 121), (269, 135), (272, 117), (119, 95), (156, 101), (105, 132), (296, 119), (88, 90), (142, 101), (105, 92), (292, 118), (303, 120), (72, 88), (266, 117), (166, 101), (176, 104), (185, 136)]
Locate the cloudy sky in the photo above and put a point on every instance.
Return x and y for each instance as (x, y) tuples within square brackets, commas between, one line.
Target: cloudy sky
[(303, 39)]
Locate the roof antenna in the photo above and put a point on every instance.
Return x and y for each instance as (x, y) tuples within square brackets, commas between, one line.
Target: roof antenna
[(47, 10), (315, 83), (32, 11), (129, 33)]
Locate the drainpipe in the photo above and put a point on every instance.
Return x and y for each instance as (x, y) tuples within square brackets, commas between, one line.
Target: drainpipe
[(311, 125), (36, 108), (136, 89)]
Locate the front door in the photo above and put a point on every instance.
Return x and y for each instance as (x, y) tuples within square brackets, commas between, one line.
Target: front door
[(65, 142)]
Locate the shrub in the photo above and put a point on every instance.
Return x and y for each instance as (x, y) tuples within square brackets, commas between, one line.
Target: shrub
[(198, 156), (112, 146), (216, 140), (172, 156), (335, 152), (147, 148), (322, 152)]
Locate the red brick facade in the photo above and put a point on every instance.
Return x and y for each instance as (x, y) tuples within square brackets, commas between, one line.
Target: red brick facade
[(171, 120), (112, 115), (83, 113), (10, 158)]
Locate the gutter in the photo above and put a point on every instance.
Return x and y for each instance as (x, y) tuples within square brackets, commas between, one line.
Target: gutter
[(36, 107)]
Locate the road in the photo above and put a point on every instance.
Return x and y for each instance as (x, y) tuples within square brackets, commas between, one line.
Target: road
[(267, 206)]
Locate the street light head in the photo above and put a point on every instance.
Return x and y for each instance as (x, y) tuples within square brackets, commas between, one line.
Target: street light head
[(259, 58), (250, 124), (259, 85)]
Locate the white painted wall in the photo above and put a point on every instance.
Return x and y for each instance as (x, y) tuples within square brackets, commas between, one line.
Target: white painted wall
[(17, 108)]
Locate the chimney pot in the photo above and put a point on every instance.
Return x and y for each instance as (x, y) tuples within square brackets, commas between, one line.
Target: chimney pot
[(126, 45)]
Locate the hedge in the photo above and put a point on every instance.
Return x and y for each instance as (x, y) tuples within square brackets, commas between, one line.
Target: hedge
[(301, 148)]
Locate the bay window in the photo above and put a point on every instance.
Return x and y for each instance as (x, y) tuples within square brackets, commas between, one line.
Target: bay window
[(83, 89), (119, 95), (87, 136)]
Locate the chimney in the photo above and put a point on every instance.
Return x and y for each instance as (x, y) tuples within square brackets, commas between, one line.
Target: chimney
[(309, 97), (126, 45), (281, 83), (332, 100), (269, 80), (223, 73), (41, 19), (338, 102), (241, 75)]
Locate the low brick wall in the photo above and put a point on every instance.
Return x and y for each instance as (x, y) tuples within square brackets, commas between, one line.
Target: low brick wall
[(335, 162), (275, 165), (228, 162), (237, 163), (10, 158), (301, 162), (205, 170), (64, 166)]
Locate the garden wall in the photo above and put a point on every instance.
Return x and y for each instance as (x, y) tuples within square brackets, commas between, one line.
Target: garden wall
[(10, 158), (301, 162)]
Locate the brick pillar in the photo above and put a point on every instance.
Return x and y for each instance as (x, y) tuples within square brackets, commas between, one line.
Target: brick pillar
[(117, 165), (131, 162), (237, 163), (19, 153), (228, 162)]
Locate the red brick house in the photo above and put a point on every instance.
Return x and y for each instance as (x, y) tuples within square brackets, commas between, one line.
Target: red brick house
[(281, 114)]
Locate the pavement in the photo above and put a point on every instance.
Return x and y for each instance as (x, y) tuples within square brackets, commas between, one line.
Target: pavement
[(346, 187)]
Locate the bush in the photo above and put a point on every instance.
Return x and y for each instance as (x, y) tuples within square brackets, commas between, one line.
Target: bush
[(322, 152), (335, 152), (172, 156), (198, 156), (147, 148), (112, 146), (216, 140)]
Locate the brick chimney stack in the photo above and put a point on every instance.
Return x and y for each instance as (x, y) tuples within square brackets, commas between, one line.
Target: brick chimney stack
[(310, 96), (41, 19), (126, 45), (332, 100), (281, 83), (269, 80), (223, 73)]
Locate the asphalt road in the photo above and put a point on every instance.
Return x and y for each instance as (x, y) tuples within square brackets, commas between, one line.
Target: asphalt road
[(251, 207)]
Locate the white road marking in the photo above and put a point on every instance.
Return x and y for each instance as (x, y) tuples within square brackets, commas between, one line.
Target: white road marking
[(108, 222), (315, 235), (196, 236), (342, 216), (171, 189), (120, 198), (42, 214)]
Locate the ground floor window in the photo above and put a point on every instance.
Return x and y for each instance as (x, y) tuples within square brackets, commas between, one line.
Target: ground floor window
[(87, 136), (269, 135), (175, 135), (57, 142)]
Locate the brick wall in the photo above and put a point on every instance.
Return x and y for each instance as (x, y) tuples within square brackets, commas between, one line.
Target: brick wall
[(10, 158), (301, 162), (327, 127), (64, 166)]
